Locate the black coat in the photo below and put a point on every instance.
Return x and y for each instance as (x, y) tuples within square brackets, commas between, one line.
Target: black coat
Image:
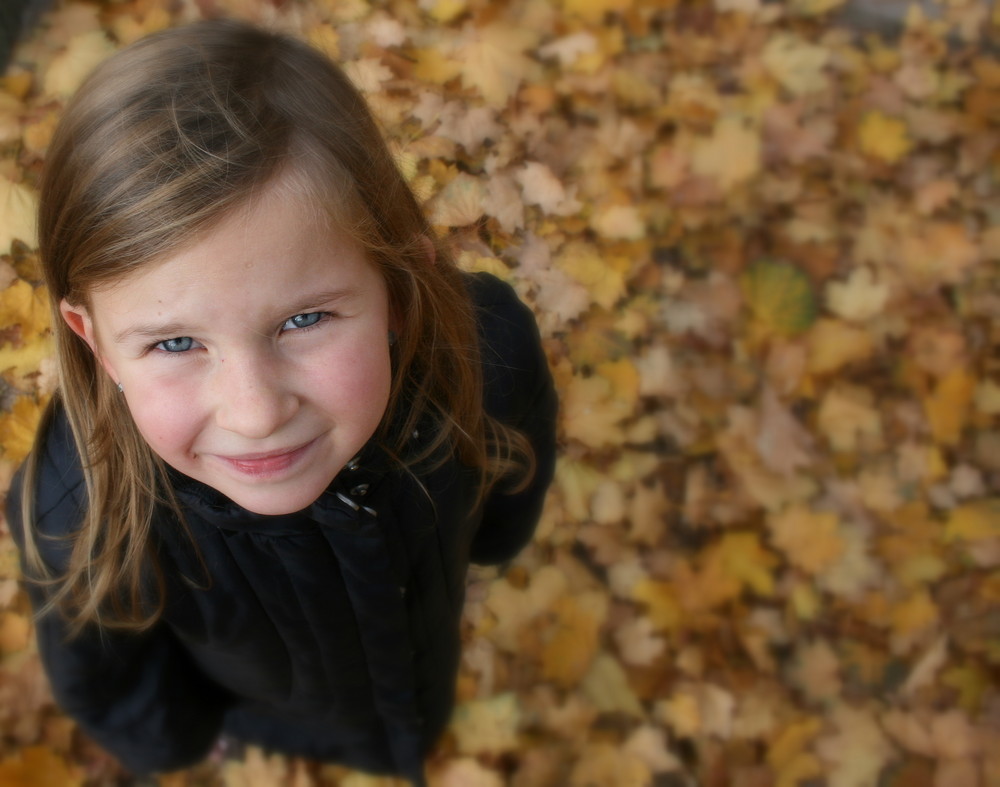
[(331, 633)]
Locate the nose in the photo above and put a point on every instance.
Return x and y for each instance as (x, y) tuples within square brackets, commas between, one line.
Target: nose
[(252, 396)]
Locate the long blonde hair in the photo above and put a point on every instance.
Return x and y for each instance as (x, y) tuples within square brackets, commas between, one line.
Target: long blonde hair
[(162, 141)]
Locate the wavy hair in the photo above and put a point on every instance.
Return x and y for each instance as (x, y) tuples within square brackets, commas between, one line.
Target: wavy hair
[(160, 143)]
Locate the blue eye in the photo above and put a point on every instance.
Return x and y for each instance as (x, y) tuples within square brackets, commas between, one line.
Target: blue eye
[(179, 344), (302, 321)]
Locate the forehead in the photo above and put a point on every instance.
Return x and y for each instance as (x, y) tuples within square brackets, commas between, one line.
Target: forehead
[(276, 248)]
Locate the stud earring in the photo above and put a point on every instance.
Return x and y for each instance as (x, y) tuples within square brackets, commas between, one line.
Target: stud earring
[(121, 388)]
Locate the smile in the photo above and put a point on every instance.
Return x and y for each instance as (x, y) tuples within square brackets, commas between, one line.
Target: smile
[(266, 465)]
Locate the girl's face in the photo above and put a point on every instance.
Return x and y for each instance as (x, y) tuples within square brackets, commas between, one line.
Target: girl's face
[(257, 360)]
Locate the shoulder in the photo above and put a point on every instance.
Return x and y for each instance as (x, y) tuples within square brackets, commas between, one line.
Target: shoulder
[(60, 497), (514, 364), (507, 330)]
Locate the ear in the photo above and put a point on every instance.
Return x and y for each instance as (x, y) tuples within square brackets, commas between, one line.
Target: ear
[(79, 321)]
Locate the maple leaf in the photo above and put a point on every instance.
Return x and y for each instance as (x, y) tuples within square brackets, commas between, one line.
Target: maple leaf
[(606, 764), (834, 344), (466, 772), (817, 671), (947, 407), (568, 49), (796, 64), (780, 296), (38, 766), (637, 642), (848, 418), (859, 298), (619, 222), (569, 651), (939, 252), (810, 539), (487, 726), (459, 203), (606, 686), (857, 752), (782, 442), (515, 608), (974, 521), (18, 427), (27, 307), (494, 61), (884, 137), (731, 155), (435, 66), (18, 206), (541, 187), (68, 69)]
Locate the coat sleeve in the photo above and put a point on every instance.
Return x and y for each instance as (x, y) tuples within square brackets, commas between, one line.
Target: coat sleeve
[(137, 694), (518, 390)]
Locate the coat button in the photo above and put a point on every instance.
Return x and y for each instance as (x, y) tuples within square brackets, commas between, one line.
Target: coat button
[(360, 490)]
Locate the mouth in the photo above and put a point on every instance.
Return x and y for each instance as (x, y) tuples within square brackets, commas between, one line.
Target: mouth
[(266, 465)]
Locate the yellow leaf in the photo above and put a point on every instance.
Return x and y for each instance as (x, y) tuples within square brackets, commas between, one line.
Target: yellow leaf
[(591, 414), (594, 11), (792, 740), (988, 397), (810, 539), (914, 614), (731, 156), (661, 599), (37, 766), (26, 360), (834, 344), (326, 39), (975, 521), (459, 203), (69, 68), (434, 66), (567, 655), (487, 726), (796, 64), (883, 137), (606, 686), (780, 295), (948, 406), (15, 632), (18, 206), (619, 222), (446, 10), (848, 418), (938, 252), (27, 306), (860, 298), (593, 270), (814, 7), (494, 60), (803, 768), (971, 683), (741, 556), (18, 427)]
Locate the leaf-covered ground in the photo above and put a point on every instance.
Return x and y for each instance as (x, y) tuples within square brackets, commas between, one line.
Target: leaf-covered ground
[(764, 252)]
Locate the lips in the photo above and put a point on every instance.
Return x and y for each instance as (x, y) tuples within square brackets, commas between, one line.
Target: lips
[(266, 465)]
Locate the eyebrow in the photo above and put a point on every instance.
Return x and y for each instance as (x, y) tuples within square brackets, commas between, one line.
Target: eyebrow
[(172, 329)]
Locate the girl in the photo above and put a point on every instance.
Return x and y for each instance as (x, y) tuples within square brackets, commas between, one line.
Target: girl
[(286, 422)]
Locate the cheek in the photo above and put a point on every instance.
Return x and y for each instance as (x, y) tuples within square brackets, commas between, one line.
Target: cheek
[(167, 423)]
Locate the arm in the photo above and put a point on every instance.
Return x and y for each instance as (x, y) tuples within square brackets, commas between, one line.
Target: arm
[(136, 694), (520, 393)]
